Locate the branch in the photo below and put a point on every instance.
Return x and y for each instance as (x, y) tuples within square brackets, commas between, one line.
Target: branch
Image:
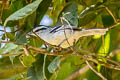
[(6, 55), (118, 23), (98, 56), (113, 53), (83, 56), (43, 51), (90, 58), (3, 42), (99, 74), (109, 11)]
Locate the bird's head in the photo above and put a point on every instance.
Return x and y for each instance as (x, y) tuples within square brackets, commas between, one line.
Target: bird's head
[(37, 30)]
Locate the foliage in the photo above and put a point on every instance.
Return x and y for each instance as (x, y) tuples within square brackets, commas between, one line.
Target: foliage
[(24, 58)]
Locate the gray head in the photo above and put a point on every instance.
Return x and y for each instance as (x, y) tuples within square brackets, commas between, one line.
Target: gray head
[(37, 30)]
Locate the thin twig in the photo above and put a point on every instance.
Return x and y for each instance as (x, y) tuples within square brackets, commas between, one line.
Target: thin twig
[(114, 52), (103, 44), (115, 20), (118, 23), (99, 74), (26, 52), (67, 38), (99, 56), (63, 18), (90, 58), (44, 51), (6, 55), (45, 78), (20, 58), (84, 57), (107, 9), (65, 34), (3, 42), (107, 59)]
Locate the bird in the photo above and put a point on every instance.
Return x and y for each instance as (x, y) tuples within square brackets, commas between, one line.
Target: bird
[(64, 36)]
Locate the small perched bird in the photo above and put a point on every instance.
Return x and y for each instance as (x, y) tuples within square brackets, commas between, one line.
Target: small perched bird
[(64, 36)]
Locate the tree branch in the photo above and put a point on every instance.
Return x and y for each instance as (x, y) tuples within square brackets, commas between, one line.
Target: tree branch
[(99, 74)]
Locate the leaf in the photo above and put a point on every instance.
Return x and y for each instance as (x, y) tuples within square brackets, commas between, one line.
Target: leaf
[(107, 20), (87, 18), (66, 70), (24, 12), (14, 6), (11, 48), (15, 51), (36, 71), (11, 71), (105, 49), (8, 47), (28, 60), (70, 13), (89, 14), (21, 37), (53, 66)]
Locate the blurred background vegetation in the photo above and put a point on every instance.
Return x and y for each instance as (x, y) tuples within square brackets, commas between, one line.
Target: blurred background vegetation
[(20, 61)]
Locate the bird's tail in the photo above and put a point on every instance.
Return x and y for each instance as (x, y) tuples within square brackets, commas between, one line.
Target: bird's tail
[(90, 32)]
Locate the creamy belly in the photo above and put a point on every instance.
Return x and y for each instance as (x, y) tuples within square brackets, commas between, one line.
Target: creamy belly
[(59, 39)]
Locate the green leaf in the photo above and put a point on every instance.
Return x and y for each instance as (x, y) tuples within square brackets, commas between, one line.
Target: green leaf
[(24, 12), (107, 20), (53, 66), (15, 51), (8, 48), (65, 71), (70, 13), (11, 48), (14, 6), (21, 38), (105, 49), (36, 71), (85, 18), (89, 14), (11, 71), (28, 60)]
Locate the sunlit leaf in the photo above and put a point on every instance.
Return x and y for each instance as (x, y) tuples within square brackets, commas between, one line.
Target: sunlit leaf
[(28, 60), (8, 47), (24, 12), (104, 49)]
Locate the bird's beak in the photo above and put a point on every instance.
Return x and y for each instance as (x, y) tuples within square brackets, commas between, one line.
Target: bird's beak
[(31, 33)]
